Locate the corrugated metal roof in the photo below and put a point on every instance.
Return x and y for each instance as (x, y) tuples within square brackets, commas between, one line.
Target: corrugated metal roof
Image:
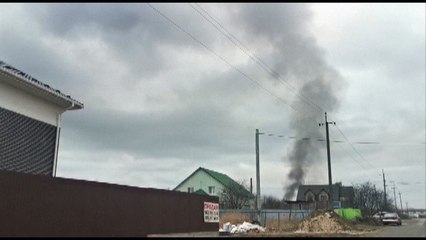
[(201, 192), (28, 79), (221, 178), (226, 181)]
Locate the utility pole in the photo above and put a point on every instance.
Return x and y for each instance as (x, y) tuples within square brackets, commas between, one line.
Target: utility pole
[(394, 196), (257, 176), (376, 205), (384, 189), (400, 201), (406, 207), (328, 160)]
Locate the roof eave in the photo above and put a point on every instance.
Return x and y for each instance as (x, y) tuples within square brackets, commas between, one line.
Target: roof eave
[(45, 92)]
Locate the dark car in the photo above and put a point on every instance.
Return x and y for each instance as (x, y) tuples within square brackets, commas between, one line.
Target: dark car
[(391, 218)]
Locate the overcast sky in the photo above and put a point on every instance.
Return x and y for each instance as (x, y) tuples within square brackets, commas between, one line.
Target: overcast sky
[(168, 88)]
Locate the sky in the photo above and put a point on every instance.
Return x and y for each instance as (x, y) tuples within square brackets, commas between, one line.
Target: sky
[(170, 87)]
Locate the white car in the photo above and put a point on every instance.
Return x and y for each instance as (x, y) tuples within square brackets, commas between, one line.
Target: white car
[(391, 218), (379, 215)]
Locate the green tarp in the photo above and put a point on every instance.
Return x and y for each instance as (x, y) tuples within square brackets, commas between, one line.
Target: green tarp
[(349, 213)]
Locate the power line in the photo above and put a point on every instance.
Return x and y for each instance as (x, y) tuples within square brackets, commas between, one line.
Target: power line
[(264, 66), (257, 60), (279, 135), (224, 60), (359, 154), (254, 57), (350, 155)]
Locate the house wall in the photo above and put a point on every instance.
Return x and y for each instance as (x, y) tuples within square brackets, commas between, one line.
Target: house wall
[(26, 145), (28, 131), (25, 103), (201, 180)]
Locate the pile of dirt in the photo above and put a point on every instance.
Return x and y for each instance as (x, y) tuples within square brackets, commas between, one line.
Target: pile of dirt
[(325, 222)]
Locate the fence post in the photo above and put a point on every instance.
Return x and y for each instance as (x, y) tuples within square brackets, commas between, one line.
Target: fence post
[(289, 216), (279, 225), (264, 219)]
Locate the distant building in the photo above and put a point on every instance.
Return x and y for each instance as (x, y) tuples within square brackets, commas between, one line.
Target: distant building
[(204, 181), (30, 122), (318, 195)]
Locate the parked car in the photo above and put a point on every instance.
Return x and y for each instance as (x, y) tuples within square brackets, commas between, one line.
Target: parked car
[(391, 218)]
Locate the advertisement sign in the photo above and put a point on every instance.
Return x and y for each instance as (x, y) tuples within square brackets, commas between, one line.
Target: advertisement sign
[(211, 212)]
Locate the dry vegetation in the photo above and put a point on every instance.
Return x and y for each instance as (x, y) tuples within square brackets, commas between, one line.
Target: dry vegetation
[(282, 225)]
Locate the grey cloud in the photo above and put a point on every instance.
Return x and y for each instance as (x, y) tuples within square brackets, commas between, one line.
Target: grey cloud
[(136, 34), (277, 22), (188, 133), (41, 61), (69, 18)]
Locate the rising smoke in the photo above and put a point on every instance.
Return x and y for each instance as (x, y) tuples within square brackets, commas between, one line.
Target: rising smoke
[(304, 153), (300, 62)]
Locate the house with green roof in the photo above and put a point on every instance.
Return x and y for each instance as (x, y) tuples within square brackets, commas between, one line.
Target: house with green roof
[(204, 181)]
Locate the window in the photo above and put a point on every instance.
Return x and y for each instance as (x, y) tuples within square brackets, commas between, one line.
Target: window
[(190, 189), (211, 190), (323, 196), (310, 197)]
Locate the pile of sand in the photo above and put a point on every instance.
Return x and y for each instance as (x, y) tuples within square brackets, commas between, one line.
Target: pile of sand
[(324, 222)]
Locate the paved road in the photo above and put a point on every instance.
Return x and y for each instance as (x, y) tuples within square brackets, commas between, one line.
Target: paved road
[(410, 228)]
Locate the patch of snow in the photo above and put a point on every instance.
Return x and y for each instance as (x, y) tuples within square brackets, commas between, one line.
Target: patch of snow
[(242, 228)]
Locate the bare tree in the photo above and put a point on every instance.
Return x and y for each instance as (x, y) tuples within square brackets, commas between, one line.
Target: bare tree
[(235, 196), (271, 202), (370, 199)]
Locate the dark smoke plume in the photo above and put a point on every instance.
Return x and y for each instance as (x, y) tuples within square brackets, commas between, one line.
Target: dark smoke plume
[(300, 62)]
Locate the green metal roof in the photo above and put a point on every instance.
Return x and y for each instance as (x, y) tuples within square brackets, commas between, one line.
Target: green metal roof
[(201, 192), (221, 178), (225, 180)]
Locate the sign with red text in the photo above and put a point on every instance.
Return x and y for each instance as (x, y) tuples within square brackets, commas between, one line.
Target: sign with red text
[(211, 212)]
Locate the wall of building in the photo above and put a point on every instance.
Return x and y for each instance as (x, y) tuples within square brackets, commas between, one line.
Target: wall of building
[(201, 180), (35, 205), (26, 145), (25, 103)]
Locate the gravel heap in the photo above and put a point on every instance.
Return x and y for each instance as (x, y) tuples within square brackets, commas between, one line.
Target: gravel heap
[(325, 222)]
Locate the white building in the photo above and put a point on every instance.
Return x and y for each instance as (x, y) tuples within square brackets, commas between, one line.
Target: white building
[(208, 182), (30, 122)]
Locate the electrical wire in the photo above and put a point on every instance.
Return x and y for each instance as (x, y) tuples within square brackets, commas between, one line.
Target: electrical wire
[(264, 66), (359, 154), (224, 60), (254, 57)]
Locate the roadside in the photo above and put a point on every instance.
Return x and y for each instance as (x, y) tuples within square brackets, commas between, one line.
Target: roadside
[(320, 224), (410, 228)]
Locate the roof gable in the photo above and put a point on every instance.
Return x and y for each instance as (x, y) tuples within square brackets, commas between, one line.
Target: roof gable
[(223, 179), (338, 191), (186, 179)]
